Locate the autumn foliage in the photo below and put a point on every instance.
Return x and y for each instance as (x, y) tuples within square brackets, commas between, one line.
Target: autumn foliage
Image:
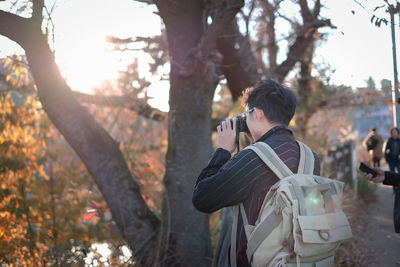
[(51, 212)]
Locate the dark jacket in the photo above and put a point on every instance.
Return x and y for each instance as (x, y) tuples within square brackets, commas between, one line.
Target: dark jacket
[(392, 178), (244, 178), (392, 148)]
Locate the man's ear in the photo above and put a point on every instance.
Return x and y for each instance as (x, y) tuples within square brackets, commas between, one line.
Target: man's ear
[(259, 114)]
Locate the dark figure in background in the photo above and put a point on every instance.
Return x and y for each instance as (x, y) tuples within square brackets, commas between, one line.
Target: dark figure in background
[(392, 149), (374, 143), (245, 178)]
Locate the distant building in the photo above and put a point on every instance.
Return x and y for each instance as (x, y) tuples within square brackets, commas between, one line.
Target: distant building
[(381, 118)]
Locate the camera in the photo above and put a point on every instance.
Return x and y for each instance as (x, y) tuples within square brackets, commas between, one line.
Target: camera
[(241, 125)]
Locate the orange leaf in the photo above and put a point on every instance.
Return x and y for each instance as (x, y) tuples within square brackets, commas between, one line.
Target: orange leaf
[(89, 215)]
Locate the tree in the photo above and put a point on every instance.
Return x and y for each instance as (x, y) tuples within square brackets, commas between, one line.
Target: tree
[(196, 49), (386, 90), (45, 189), (371, 84)]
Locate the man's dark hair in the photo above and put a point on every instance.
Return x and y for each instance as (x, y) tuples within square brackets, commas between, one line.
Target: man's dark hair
[(276, 101), (373, 129)]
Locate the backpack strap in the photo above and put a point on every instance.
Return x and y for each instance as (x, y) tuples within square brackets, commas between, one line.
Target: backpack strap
[(268, 155), (306, 163), (306, 166), (233, 236), (236, 212), (272, 160), (263, 230)]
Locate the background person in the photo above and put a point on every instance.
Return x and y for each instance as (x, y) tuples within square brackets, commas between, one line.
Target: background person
[(374, 143), (392, 149)]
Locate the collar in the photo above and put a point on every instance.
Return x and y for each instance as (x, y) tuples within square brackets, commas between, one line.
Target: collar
[(273, 131)]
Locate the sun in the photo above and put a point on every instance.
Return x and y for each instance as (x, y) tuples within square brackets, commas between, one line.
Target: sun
[(80, 43), (85, 67)]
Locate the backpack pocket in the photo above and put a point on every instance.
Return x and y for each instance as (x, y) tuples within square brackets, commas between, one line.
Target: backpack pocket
[(321, 233)]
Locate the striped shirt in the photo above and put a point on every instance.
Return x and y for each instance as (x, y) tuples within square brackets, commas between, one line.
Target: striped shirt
[(245, 178)]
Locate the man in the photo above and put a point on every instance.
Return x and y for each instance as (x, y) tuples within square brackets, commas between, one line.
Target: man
[(245, 178), (374, 143)]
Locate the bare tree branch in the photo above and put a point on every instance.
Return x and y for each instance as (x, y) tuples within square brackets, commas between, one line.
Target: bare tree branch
[(227, 13), (305, 11), (269, 11), (11, 26), (305, 36), (317, 8), (238, 60), (37, 15), (279, 14), (140, 106), (247, 17), (149, 2)]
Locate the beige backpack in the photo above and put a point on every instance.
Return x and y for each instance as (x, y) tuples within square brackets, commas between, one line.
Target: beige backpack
[(301, 221)]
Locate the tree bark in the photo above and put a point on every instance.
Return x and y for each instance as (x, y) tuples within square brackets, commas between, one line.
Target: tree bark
[(305, 108), (193, 81), (238, 60)]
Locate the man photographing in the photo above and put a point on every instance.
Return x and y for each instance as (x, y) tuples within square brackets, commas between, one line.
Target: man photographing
[(245, 178)]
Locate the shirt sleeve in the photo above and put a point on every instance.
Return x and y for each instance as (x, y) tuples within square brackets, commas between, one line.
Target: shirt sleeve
[(226, 182), (392, 178)]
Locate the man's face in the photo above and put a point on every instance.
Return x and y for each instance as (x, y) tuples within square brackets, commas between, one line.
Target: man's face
[(395, 134)]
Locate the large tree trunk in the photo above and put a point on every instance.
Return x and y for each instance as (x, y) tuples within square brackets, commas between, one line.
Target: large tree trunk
[(189, 148), (305, 109), (189, 143)]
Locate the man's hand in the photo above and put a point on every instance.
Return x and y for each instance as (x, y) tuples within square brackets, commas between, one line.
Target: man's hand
[(379, 178), (226, 135)]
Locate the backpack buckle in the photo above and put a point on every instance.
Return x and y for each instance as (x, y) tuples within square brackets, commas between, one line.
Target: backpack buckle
[(324, 234)]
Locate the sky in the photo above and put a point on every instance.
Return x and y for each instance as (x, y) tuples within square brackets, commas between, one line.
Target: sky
[(355, 50), (358, 49)]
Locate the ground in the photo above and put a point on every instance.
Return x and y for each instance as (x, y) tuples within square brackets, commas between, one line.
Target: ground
[(375, 242)]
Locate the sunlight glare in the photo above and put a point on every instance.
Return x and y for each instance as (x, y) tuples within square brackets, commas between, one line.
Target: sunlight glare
[(160, 93), (80, 38), (103, 249)]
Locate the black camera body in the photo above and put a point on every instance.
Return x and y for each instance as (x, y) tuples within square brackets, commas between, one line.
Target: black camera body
[(241, 125)]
